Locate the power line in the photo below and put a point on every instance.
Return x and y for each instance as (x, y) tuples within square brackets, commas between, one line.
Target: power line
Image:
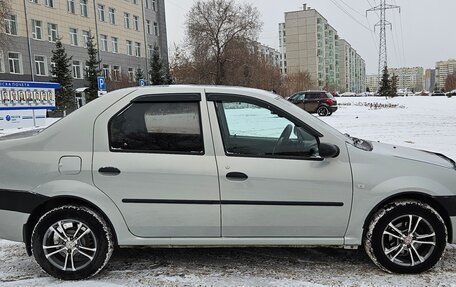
[(350, 15)]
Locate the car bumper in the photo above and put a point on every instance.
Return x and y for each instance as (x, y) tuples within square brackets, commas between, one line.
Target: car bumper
[(332, 109), (11, 223), (453, 224)]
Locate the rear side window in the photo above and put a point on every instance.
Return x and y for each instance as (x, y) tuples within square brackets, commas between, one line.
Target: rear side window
[(159, 127), (313, 96)]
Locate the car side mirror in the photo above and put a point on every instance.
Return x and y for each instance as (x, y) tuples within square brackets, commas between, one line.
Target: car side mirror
[(328, 150)]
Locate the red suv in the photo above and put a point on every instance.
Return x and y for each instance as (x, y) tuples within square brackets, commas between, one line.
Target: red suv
[(320, 102)]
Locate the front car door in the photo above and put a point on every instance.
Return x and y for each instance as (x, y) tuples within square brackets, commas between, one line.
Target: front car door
[(312, 101), (153, 156), (272, 182)]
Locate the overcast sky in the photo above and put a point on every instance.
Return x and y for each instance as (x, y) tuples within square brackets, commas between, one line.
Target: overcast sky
[(422, 34)]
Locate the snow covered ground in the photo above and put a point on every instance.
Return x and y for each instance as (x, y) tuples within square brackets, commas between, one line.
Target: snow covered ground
[(418, 122)]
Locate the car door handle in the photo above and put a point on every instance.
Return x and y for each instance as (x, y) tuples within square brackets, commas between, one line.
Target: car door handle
[(109, 171), (237, 176)]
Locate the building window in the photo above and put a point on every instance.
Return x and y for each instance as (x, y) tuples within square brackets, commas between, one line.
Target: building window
[(101, 13), (2, 63), (156, 30), (154, 5), (112, 16), (136, 22), (150, 51), (85, 37), (115, 45), (116, 73), (127, 20), (77, 73), (84, 10), (170, 127), (40, 65), (73, 36), (34, 1), (148, 27), (15, 63), (129, 48), (131, 75), (53, 32), (36, 30), (50, 3), (137, 49), (148, 4), (103, 42), (106, 74), (11, 25), (134, 1), (52, 65), (71, 6)]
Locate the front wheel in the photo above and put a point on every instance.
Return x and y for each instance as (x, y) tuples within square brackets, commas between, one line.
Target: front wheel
[(72, 242), (323, 111), (406, 237)]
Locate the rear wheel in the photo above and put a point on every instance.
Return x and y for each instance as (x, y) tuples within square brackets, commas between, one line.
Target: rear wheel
[(406, 237), (72, 242), (322, 111)]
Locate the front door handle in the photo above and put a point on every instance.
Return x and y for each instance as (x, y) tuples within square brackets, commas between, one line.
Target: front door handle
[(236, 176), (109, 171)]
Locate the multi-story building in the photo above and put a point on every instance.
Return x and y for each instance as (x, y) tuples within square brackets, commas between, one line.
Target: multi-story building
[(411, 78), (282, 48), (309, 43), (125, 33), (442, 70), (429, 80), (271, 55), (352, 69), (372, 82)]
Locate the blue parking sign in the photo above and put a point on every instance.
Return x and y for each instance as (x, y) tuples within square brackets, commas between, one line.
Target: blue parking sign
[(142, 83), (101, 83)]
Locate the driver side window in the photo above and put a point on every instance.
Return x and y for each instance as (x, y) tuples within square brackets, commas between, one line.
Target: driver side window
[(252, 130)]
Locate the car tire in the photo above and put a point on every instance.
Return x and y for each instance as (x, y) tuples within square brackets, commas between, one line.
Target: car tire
[(322, 111), (72, 242), (406, 236)]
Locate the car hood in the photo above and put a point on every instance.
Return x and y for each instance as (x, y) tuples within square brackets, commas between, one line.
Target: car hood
[(413, 154)]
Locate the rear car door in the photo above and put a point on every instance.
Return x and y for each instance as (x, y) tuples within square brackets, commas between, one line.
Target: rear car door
[(153, 156)]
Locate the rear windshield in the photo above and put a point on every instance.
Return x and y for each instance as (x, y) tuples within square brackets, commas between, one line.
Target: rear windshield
[(329, 95)]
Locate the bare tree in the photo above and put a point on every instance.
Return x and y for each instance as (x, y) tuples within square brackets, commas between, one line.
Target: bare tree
[(212, 26), (5, 7), (296, 82), (450, 82)]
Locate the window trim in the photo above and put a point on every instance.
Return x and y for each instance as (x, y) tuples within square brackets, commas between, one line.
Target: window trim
[(218, 98), (161, 98), (46, 72)]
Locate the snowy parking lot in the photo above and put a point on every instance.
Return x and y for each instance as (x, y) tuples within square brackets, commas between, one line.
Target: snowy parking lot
[(419, 122)]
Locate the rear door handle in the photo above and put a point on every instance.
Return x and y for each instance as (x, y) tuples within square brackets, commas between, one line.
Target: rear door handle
[(109, 171), (236, 176)]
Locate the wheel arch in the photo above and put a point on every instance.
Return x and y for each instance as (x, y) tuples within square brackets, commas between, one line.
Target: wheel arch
[(423, 197), (55, 202)]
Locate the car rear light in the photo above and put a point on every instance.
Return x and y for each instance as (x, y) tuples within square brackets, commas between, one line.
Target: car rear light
[(330, 101)]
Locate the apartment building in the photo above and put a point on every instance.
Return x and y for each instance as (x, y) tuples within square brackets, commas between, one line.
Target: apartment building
[(410, 78), (309, 43), (125, 32), (442, 70), (429, 80), (352, 69), (372, 82), (271, 55)]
